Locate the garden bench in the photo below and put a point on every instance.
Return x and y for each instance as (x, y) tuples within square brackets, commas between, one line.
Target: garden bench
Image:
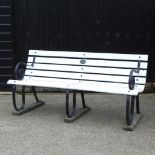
[(83, 71)]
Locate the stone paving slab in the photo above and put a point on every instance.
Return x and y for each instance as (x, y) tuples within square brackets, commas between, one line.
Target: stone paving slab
[(99, 132)]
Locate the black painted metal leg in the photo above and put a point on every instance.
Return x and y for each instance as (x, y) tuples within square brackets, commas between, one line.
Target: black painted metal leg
[(73, 110), (14, 98), (74, 104), (83, 100), (23, 97), (137, 104), (35, 94), (132, 118), (67, 103), (130, 109), (73, 114), (68, 113), (23, 109)]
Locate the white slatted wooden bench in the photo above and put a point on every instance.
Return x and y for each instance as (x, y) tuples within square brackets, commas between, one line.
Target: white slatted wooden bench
[(82, 71)]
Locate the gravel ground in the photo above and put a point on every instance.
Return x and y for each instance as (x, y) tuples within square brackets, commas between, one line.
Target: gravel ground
[(99, 132)]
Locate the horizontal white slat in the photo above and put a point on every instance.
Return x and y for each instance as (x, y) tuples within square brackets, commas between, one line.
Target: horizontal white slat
[(106, 63), (139, 88), (123, 79), (51, 84), (89, 55), (84, 69), (92, 83), (50, 79), (53, 74), (106, 89), (112, 71), (116, 56), (56, 53), (96, 77)]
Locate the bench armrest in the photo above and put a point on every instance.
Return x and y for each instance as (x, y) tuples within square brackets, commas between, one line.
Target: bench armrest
[(20, 70), (131, 82)]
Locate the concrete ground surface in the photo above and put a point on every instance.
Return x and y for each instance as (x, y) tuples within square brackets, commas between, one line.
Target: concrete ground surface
[(99, 132)]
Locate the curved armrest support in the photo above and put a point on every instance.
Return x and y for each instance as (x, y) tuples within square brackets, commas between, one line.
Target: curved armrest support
[(131, 82), (20, 70)]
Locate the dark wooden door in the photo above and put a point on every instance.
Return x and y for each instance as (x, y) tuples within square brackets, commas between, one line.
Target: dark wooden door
[(7, 51), (120, 26)]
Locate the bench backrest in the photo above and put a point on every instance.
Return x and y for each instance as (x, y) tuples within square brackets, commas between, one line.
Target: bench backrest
[(92, 68)]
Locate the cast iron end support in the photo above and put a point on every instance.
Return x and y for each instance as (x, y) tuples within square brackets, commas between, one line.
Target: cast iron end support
[(75, 114), (23, 109), (132, 118)]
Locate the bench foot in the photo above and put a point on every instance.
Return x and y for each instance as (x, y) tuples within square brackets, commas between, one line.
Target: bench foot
[(137, 118), (29, 108), (132, 117), (73, 113), (19, 110), (79, 113)]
